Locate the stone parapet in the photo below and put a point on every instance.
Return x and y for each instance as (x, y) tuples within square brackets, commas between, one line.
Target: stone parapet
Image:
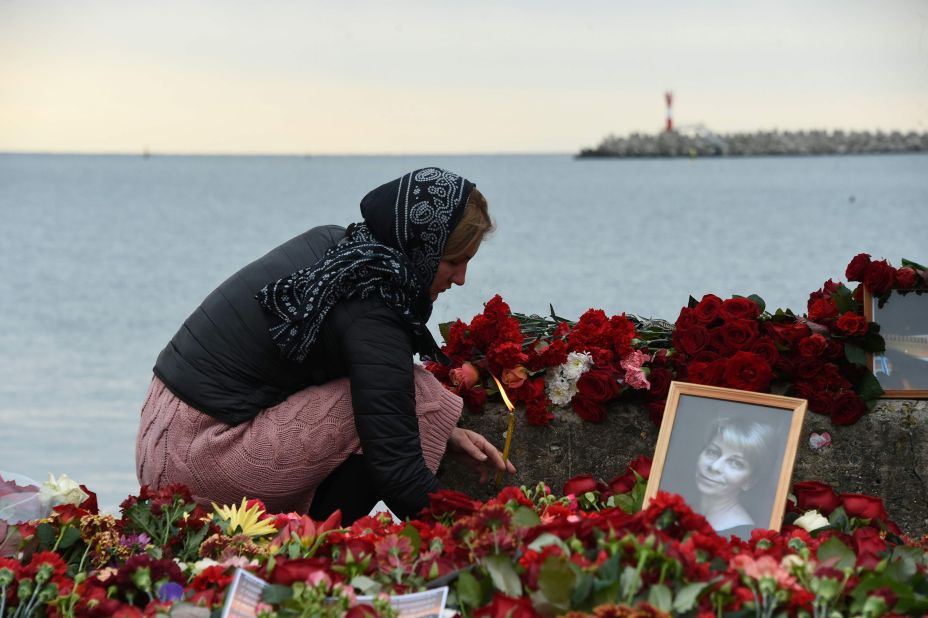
[(884, 454)]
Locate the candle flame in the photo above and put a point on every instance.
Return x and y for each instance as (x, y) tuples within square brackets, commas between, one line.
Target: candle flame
[(502, 391)]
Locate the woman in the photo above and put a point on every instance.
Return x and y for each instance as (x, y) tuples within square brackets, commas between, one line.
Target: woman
[(733, 461), (294, 380)]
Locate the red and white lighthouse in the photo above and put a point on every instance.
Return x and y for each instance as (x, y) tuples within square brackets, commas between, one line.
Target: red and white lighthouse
[(668, 97)]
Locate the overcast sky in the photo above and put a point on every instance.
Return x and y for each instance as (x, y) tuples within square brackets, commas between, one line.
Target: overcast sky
[(228, 76)]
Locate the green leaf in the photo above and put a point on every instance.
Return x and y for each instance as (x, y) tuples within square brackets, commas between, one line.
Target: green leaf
[(758, 301), (605, 592), (855, 354), (869, 387), (468, 589), (837, 554), (910, 264), (546, 538), (660, 597), (445, 329), (70, 537), (687, 596), (582, 590), (692, 302), (631, 582), (873, 341), (844, 299), (412, 534), (365, 584), (503, 575), (275, 594), (556, 581), (46, 535), (525, 517), (839, 519)]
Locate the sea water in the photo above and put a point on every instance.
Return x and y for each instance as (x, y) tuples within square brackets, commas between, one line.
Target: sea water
[(103, 257)]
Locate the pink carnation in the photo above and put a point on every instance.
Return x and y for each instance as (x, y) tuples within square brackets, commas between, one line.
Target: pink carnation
[(634, 374)]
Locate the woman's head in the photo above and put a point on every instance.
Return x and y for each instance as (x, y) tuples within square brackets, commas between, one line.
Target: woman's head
[(462, 245), (734, 457)]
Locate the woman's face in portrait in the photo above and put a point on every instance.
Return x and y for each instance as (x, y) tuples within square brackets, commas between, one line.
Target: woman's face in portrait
[(722, 469)]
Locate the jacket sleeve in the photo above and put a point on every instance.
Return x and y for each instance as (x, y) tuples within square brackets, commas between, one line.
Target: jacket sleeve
[(377, 350)]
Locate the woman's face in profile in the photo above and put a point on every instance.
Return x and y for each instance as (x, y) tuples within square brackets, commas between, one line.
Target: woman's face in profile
[(722, 469)]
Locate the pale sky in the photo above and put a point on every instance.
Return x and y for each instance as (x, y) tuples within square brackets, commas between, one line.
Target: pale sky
[(374, 76)]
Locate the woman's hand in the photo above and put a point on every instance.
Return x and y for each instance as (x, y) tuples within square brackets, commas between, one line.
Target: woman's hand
[(481, 454)]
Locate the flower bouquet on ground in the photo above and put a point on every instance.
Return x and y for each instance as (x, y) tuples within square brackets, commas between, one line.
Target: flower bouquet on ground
[(589, 550), (548, 362)]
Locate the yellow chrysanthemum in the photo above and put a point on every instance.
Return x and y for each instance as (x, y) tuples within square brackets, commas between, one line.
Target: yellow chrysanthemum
[(245, 520)]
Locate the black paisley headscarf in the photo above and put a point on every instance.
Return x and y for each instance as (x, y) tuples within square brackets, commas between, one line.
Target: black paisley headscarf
[(394, 252)]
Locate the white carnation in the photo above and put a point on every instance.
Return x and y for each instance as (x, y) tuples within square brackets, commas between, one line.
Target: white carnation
[(577, 364), (560, 391)]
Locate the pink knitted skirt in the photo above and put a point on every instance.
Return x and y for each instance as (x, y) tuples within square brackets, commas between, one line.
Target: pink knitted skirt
[(283, 454)]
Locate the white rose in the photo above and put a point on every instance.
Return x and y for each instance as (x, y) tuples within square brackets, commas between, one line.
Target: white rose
[(811, 520), (201, 565), (62, 490)]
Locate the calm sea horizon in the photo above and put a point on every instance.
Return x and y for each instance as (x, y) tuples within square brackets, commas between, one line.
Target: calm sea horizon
[(102, 257)]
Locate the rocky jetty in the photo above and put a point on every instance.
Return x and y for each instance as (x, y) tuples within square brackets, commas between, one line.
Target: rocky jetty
[(701, 142)]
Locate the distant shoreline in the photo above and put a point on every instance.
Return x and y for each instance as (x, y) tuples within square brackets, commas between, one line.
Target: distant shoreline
[(701, 142)]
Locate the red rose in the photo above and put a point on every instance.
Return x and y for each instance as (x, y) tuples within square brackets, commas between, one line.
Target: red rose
[(598, 385), (787, 335), (660, 379), (847, 408), (857, 267), (708, 309), (641, 465), (710, 374), (450, 501), (813, 346), (514, 377), (474, 398), (865, 507), (815, 495), (867, 540), (503, 606), (766, 349), (691, 340), (852, 324), (686, 319), (622, 484), (748, 372), (739, 308), (906, 278), (588, 410), (880, 277), (581, 484), (822, 309), (464, 377), (656, 411), (739, 334)]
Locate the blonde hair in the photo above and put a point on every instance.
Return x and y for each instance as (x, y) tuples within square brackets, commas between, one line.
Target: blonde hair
[(475, 223)]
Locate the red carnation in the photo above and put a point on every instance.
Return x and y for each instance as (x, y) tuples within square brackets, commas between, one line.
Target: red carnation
[(906, 278), (739, 308), (815, 495), (857, 267), (747, 371), (537, 412), (865, 507), (852, 324), (880, 277), (446, 501)]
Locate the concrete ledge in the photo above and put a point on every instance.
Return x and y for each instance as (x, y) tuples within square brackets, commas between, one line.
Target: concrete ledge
[(884, 454)]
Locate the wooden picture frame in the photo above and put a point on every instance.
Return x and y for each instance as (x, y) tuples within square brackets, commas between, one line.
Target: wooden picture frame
[(903, 324), (708, 432)]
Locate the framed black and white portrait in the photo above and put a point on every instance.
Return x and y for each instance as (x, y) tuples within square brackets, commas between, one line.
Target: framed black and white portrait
[(729, 453)]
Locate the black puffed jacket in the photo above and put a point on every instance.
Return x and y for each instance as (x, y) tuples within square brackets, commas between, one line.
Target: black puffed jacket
[(223, 362)]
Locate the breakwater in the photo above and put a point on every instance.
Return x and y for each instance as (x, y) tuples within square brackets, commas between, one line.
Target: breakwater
[(702, 142)]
